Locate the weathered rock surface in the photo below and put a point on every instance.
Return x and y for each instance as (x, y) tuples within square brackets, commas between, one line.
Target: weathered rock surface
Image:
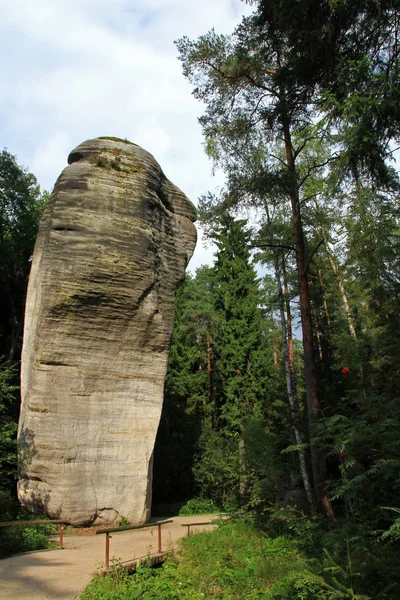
[(113, 245)]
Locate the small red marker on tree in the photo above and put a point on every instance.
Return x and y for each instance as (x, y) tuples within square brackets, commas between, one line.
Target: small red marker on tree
[(345, 370)]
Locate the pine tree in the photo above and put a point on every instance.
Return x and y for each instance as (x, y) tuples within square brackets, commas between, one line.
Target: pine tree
[(242, 81)]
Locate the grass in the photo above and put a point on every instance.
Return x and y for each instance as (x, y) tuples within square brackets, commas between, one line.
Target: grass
[(232, 563)]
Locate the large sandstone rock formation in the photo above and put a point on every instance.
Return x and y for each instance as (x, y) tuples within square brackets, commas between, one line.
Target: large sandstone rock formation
[(113, 245)]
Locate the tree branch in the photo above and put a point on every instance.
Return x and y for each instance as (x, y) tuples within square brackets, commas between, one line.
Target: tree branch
[(280, 160), (317, 247), (319, 166), (302, 146), (241, 76), (291, 248)]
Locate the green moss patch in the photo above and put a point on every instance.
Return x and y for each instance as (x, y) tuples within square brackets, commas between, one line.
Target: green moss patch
[(115, 139)]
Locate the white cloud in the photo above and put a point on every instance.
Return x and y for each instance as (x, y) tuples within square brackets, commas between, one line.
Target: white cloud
[(76, 69)]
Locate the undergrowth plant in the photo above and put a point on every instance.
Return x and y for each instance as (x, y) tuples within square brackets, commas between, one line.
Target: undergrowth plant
[(231, 563), (14, 540), (198, 506)]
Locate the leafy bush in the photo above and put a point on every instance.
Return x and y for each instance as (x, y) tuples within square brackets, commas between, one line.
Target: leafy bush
[(14, 540), (353, 561), (198, 506), (217, 467)]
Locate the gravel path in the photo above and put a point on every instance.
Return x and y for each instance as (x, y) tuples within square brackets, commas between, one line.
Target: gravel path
[(63, 574)]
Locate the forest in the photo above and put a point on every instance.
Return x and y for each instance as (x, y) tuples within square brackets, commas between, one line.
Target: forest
[(281, 399)]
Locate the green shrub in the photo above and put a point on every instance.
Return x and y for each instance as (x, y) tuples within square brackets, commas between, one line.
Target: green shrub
[(230, 563), (198, 506), (14, 540)]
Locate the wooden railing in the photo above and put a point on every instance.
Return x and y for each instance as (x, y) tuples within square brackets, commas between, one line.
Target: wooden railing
[(109, 530), (31, 523), (189, 525)]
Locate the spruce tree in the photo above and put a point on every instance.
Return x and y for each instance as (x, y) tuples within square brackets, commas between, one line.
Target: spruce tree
[(237, 381)]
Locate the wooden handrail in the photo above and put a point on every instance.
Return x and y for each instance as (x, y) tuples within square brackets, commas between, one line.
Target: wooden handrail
[(47, 522), (189, 525), (107, 531), (127, 527), (32, 523), (198, 523)]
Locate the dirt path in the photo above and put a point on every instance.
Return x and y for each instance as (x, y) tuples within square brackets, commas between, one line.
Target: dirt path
[(63, 574)]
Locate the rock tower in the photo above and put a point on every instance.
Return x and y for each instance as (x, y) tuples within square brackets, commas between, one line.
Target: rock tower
[(113, 245)]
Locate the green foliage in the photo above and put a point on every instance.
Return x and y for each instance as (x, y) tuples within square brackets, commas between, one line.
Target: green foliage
[(237, 561), (230, 563), (219, 374), (331, 94), (198, 506), (21, 205), (14, 540), (25, 539), (217, 467), (186, 400), (238, 375), (351, 558), (8, 426), (347, 55)]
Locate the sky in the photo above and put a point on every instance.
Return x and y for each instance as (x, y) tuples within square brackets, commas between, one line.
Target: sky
[(72, 70)]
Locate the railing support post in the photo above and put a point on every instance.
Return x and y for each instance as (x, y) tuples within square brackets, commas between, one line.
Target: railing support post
[(61, 536), (159, 539), (107, 550)]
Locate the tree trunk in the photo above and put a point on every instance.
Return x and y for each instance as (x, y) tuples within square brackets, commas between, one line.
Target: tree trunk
[(318, 332), (325, 303), (276, 361), (290, 373), (291, 388), (289, 328), (208, 368), (242, 462), (15, 336), (345, 299), (318, 460)]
